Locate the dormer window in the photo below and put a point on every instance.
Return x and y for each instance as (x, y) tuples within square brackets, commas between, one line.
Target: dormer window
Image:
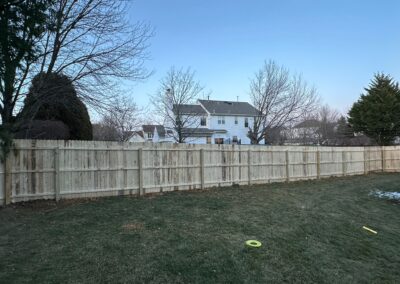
[(203, 121), (149, 135)]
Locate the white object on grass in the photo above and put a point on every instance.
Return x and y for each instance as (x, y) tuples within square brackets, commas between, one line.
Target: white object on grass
[(386, 194), (370, 230)]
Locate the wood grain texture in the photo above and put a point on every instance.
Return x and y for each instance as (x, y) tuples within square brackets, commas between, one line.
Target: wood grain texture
[(37, 170)]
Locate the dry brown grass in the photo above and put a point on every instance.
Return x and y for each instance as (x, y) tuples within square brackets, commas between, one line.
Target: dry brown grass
[(133, 226)]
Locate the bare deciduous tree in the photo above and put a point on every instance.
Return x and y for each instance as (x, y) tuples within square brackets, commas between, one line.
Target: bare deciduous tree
[(328, 118), (178, 90), (92, 43), (281, 99), (104, 132), (121, 120)]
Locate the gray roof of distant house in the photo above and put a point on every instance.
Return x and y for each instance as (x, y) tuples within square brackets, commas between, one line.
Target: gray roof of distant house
[(308, 123), (150, 128), (189, 109), (140, 133), (229, 108), (133, 133)]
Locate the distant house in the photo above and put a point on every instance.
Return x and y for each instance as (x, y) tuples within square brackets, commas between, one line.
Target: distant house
[(217, 122), (303, 133), (312, 132), (137, 136), (152, 133)]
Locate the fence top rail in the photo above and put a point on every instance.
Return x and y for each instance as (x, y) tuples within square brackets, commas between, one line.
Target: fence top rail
[(82, 143), (332, 150), (30, 145)]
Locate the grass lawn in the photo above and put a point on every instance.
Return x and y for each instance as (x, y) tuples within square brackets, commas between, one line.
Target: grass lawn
[(311, 232)]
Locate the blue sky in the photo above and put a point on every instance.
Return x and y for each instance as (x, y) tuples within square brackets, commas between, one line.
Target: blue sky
[(336, 45)]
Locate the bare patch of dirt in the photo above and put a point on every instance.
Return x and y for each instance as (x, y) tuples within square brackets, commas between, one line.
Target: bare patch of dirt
[(133, 226)]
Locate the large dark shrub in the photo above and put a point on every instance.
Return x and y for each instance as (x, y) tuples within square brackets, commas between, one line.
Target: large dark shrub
[(43, 129), (52, 97)]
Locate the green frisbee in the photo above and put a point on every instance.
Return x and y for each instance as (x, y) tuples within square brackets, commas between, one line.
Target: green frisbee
[(253, 243)]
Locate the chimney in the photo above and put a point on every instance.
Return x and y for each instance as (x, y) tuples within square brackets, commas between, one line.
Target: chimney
[(208, 97)]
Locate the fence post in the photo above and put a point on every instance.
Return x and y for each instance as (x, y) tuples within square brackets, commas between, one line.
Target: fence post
[(343, 162), (7, 179), (318, 164), (140, 162), (383, 159), (202, 168), (365, 161), (57, 173), (287, 166), (249, 166), (125, 170)]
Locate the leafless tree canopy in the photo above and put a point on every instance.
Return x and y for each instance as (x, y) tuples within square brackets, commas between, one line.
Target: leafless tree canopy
[(177, 89), (281, 99), (328, 118), (120, 122), (104, 132), (328, 114), (91, 42)]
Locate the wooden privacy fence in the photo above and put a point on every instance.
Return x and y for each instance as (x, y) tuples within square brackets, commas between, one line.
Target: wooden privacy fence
[(45, 169)]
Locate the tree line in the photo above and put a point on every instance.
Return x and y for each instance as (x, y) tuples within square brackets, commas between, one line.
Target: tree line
[(284, 100), (60, 57), (86, 46)]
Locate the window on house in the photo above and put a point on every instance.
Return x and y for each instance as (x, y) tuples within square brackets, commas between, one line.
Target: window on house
[(149, 135), (219, 140), (221, 119), (246, 122), (208, 140), (203, 121), (234, 139), (236, 120)]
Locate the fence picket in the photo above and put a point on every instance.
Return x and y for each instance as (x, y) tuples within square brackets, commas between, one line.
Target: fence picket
[(94, 168)]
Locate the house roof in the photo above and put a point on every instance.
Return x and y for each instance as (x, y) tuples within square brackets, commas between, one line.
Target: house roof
[(139, 133), (133, 133), (308, 123), (150, 128), (189, 109), (229, 107)]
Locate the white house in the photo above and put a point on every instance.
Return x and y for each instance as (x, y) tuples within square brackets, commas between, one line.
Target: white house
[(217, 122), (152, 133)]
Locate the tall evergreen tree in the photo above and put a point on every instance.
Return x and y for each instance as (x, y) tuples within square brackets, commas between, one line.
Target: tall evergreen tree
[(22, 22), (377, 113), (344, 130)]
